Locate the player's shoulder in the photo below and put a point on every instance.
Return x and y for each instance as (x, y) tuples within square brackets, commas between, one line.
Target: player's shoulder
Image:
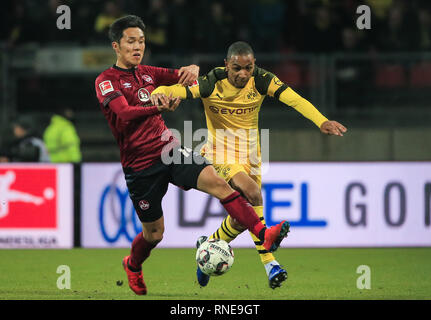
[(207, 82), (262, 79), (147, 68), (106, 81), (109, 74), (143, 68)]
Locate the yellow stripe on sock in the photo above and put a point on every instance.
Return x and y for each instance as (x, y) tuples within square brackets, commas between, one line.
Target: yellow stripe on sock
[(265, 256), (226, 232)]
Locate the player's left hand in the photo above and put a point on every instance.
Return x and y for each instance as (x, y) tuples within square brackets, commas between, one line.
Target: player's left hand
[(188, 75), (331, 127), (168, 103)]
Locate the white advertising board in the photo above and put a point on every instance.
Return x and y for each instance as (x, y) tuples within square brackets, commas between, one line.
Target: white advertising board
[(36, 206), (379, 204)]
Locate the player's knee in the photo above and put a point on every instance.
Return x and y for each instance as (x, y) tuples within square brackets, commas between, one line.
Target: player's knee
[(254, 196), (236, 225), (218, 185), (211, 183), (155, 238)]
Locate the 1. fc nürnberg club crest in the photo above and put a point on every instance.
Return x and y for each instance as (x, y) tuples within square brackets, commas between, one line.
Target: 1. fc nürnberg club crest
[(143, 95), (144, 204)]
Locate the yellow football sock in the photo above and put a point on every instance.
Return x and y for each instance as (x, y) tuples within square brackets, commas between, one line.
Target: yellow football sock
[(265, 256), (226, 232)]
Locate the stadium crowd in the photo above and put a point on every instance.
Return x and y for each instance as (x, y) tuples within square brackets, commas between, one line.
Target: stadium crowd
[(185, 27), (209, 26)]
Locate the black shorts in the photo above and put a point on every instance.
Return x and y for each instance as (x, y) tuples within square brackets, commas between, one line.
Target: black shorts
[(148, 187)]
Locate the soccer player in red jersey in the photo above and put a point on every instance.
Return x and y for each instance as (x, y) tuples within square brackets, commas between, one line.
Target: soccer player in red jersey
[(124, 93)]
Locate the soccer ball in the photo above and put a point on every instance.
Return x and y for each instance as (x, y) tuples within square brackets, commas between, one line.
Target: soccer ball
[(214, 257)]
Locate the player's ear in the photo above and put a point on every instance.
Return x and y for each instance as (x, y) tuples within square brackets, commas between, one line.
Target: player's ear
[(115, 46), (225, 63)]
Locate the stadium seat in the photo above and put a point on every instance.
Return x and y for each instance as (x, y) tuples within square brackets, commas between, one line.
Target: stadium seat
[(390, 76), (420, 75)]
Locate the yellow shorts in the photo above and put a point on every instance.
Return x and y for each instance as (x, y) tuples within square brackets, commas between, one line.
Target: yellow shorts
[(227, 171)]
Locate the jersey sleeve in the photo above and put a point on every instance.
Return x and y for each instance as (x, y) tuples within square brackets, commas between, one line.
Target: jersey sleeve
[(303, 106), (107, 89), (178, 90), (203, 87), (269, 84), (165, 76), (109, 95)]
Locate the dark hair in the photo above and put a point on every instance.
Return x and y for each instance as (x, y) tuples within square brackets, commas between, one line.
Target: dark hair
[(239, 48), (118, 26), (26, 122)]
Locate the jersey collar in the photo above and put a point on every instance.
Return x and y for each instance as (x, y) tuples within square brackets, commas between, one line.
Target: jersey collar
[(125, 70)]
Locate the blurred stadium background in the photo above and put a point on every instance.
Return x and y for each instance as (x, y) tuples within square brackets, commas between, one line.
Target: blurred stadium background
[(376, 82)]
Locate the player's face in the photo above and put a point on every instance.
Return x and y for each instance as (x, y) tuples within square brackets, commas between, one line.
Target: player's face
[(240, 69), (130, 50), (19, 131)]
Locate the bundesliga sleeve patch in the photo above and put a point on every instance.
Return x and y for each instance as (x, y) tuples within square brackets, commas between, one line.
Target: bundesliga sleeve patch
[(106, 87)]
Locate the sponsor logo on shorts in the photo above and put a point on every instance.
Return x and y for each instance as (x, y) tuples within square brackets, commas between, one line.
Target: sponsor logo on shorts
[(144, 205)]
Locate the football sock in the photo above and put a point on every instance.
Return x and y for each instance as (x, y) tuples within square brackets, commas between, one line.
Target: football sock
[(140, 251), (269, 265), (226, 232), (239, 209), (265, 256)]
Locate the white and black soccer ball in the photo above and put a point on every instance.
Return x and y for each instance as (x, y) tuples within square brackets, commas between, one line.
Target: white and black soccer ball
[(214, 257)]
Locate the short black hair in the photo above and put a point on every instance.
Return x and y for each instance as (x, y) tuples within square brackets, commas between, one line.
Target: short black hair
[(239, 48), (26, 122), (118, 26)]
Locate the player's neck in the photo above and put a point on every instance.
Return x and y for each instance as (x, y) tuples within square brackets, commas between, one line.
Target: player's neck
[(123, 65)]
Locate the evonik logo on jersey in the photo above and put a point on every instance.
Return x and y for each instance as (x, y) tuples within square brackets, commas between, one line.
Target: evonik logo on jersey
[(232, 111)]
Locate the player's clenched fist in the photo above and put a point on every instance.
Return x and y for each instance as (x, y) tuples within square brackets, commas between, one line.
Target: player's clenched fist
[(333, 128)]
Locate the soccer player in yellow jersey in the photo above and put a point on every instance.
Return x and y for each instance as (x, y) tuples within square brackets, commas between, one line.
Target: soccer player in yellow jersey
[(232, 97)]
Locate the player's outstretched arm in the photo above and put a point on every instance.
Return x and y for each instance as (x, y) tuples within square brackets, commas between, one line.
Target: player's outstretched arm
[(176, 90), (271, 85), (303, 106), (309, 111)]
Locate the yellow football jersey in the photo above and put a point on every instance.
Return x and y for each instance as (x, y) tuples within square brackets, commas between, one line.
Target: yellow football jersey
[(232, 114)]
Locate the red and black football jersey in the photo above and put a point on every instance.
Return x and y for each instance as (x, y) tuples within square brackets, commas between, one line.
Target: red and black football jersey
[(138, 127)]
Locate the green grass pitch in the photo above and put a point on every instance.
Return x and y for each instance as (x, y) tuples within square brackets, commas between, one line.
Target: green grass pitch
[(396, 273)]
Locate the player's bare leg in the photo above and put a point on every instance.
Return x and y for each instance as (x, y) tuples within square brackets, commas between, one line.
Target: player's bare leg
[(239, 209), (144, 242), (230, 228)]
